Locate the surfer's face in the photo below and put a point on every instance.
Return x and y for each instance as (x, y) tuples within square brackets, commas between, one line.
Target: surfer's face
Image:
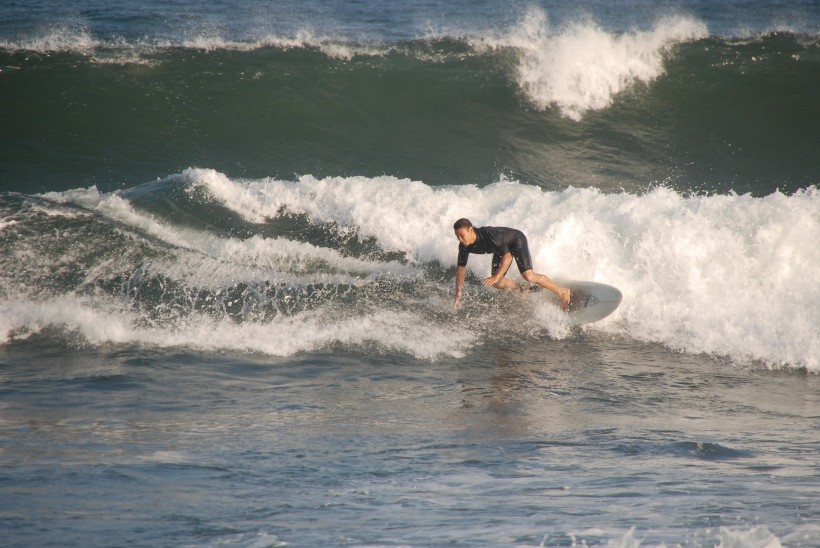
[(466, 235)]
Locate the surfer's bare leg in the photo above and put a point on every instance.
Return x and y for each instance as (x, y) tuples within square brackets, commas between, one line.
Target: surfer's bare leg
[(563, 292)]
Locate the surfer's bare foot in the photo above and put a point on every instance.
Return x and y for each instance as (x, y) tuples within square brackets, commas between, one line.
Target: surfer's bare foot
[(566, 297)]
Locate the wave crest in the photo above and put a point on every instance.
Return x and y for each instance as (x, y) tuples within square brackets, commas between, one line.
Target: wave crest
[(582, 67)]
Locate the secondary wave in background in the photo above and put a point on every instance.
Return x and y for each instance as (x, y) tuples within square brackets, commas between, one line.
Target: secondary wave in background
[(552, 105), (283, 267)]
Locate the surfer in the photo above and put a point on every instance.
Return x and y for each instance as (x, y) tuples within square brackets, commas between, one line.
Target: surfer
[(505, 244)]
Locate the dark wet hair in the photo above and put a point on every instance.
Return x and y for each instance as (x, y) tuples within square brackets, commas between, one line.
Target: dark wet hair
[(462, 223)]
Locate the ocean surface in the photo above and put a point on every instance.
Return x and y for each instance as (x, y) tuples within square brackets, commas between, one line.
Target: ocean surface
[(227, 273)]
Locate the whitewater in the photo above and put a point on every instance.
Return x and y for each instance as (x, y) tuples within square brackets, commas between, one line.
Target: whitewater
[(699, 272), (721, 275)]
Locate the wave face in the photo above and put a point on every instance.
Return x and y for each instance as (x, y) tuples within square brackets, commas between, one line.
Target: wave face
[(282, 267), (548, 98)]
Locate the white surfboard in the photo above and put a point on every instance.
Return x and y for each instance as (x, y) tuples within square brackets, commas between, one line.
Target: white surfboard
[(591, 301)]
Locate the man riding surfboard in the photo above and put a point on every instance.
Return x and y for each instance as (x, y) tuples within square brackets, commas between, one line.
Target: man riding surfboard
[(505, 244)]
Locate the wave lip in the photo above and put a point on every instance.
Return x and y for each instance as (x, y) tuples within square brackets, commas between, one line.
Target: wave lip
[(59, 38), (581, 67), (80, 40)]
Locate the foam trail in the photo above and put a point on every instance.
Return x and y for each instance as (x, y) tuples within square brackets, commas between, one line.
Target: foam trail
[(253, 258), (95, 322), (582, 67), (180, 287)]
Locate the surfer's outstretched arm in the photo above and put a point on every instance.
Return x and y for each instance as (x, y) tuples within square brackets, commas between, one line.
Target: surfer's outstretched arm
[(461, 273)]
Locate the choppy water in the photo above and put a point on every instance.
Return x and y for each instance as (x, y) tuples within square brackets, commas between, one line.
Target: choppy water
[(226, 270)]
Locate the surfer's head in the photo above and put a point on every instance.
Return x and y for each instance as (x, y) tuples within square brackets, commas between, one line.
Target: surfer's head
[(465, 233), (462, 223)]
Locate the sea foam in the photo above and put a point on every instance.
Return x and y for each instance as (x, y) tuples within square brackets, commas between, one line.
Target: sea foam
[(730, 275)]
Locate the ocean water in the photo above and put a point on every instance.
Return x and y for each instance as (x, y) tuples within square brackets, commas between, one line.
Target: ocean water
[(227, 273)]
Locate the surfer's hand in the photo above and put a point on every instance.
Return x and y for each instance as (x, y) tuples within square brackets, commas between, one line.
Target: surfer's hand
[(492, 280), (457, 300)]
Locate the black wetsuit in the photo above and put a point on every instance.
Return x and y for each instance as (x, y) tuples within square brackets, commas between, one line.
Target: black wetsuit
[(498, 241)]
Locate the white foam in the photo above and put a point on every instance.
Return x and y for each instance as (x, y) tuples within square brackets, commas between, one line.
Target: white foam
[(741, 537), (60, 38), (581, 67), (103, 321), (20, 319), (728, 275)]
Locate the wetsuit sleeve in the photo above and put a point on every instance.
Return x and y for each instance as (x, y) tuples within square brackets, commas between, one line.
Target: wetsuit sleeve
[(463, 255)]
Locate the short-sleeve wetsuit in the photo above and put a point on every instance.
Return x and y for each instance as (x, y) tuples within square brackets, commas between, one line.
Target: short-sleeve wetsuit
[(498, 241)]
